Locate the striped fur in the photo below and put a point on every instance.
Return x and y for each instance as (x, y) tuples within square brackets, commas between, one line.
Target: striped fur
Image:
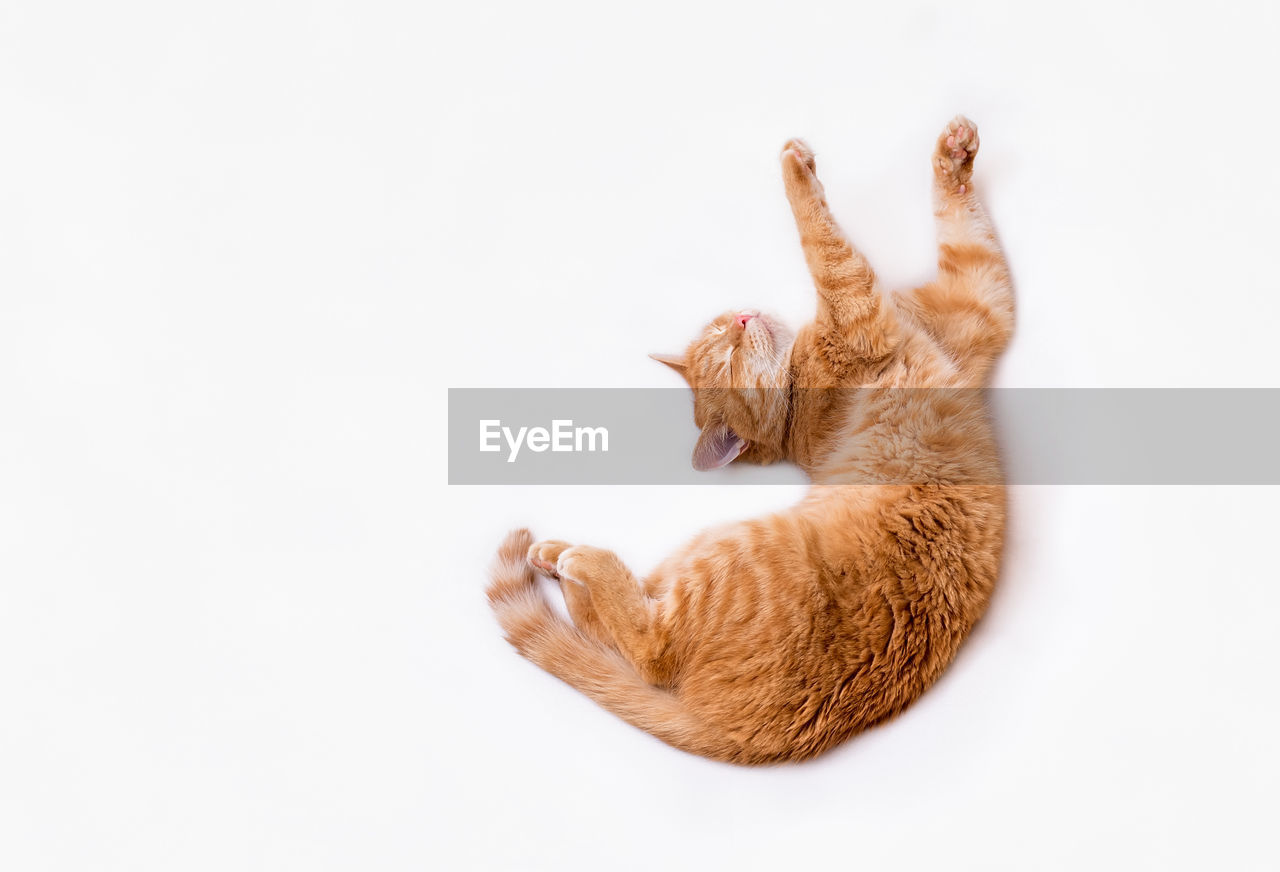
[(776, 638)]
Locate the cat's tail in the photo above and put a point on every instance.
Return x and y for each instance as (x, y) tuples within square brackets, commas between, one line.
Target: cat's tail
[(597, 670)]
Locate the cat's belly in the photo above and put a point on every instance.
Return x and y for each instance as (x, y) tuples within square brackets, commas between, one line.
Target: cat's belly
[(846, 617)]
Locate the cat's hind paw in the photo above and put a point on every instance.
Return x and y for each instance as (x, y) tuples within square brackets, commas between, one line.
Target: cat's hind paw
[(953, 157), (545, 555)]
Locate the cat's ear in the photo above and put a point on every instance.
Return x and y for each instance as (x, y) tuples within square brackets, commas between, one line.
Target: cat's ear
[(717, 447), (675, 361)]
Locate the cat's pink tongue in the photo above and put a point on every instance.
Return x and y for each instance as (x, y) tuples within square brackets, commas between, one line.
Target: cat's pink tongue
[(743, 319)]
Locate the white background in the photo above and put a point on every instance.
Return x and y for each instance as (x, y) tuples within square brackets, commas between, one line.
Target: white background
[(246, 248)]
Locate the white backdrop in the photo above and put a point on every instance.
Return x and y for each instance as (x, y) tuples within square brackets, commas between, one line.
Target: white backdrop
[(245, 249)]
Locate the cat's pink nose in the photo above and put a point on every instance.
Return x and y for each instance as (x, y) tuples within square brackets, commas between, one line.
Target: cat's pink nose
[(743, 319)]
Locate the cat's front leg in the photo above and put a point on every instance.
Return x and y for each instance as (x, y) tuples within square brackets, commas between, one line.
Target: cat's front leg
[(969, 309), (849, 303)]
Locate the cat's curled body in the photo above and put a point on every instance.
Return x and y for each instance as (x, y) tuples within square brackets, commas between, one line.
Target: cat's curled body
[(776, 638)]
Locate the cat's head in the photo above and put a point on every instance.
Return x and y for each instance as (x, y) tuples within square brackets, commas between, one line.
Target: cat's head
[(738, 368)]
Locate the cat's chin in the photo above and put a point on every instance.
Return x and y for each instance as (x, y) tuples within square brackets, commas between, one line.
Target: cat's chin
[(770, 337)]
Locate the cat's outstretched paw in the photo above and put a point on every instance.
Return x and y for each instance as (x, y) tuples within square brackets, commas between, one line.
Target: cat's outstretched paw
[(797, 151), (544, 556), (953, 158), (800, 172)]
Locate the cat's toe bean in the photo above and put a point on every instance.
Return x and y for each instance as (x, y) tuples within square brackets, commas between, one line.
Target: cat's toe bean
[(957, 144)]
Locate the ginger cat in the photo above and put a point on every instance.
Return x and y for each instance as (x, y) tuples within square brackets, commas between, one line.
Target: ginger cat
[(775, 639)]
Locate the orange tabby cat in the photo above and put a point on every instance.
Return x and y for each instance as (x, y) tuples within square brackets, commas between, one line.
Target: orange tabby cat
[(775, 639)]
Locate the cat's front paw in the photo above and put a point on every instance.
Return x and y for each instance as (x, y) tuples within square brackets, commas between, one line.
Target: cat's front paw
[(953, 158), (545, 555), (797, 151), (800, 172)]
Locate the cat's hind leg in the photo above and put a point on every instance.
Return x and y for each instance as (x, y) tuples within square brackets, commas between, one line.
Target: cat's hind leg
[(544, 556), (611, 600), (969, 308)]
